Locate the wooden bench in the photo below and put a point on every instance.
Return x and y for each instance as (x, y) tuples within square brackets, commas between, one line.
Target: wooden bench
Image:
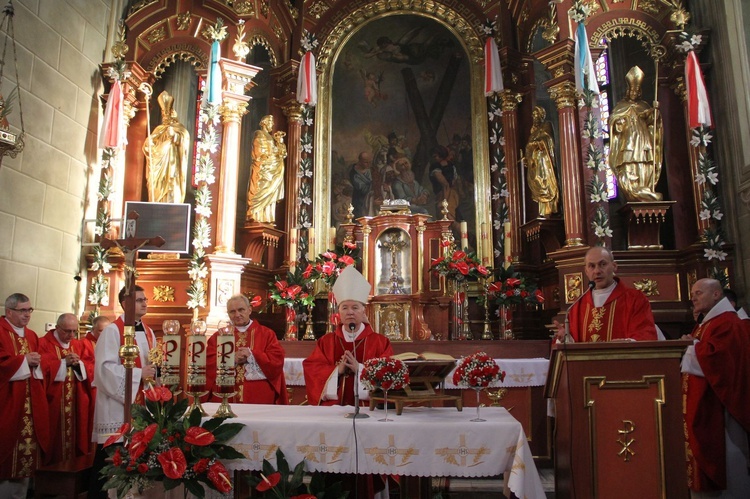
[(67, 478)]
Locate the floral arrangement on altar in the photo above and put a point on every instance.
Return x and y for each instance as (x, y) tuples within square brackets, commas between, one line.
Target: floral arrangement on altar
[(163, 446), (477, 371), (293, 290), (385, 373), (512, 288), (459, 265), (328, 265), (287, 484)]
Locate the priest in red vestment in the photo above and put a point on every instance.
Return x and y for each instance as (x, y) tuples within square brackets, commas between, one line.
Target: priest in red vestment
[(716, 384), (25, 435), (68, 392), (259, 377), (608, 310), (332, 366)]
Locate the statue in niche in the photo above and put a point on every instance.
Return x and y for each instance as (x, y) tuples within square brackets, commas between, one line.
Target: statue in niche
[(166, 151), (540, 161), (636, 135), (266, 187)]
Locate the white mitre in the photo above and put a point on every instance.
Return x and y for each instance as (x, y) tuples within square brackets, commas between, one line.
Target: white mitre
[(351, 285)]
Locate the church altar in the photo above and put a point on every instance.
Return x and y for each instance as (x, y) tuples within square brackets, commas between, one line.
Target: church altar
[(413, 444), (518, 373)]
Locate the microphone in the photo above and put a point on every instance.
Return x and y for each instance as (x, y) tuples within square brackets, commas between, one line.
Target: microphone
[(592, 284), (356, 414)]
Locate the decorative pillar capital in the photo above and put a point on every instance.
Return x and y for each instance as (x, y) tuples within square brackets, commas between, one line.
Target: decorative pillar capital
[(293, 111), (510, 100), (232, 111), (564, 94), (237, 77)]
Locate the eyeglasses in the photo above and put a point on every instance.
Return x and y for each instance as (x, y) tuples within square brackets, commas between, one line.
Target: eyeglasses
[(141, 300), (23, 310), (69, 331)]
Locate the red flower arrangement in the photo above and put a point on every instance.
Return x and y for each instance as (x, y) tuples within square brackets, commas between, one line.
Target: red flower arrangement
[(293, 290), (459, 265), (512, 288), (477, 371), (163, 446), (289, 483), (328, 265), (384, 372)]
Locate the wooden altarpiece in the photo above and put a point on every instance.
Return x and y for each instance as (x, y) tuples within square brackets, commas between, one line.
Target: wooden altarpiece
[(619, 425)]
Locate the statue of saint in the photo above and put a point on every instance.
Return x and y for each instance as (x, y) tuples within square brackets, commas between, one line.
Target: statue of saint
[(166, 151), (540, 161), (266, 187), (635, 148)]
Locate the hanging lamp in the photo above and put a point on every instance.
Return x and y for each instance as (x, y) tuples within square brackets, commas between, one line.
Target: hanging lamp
[(11, 143)]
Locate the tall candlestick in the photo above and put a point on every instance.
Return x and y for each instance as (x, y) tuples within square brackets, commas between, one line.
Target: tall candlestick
[(506, 244), (311, 244), (292, 249), (485, 251), (332, 238), (464, 235)]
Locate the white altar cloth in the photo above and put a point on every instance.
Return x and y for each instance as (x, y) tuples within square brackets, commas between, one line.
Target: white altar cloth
[(518, 373), (426, 442)]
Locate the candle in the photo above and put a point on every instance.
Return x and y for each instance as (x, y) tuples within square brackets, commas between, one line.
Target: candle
[(483, 238), (292, 249), (464, 236), (225, 356), (506, 244), (332, 238), (311, 244)]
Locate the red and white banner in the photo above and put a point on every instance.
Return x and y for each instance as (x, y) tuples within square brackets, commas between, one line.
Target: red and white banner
[(113, 127), (307, 81), (699, 112), (493, 77)]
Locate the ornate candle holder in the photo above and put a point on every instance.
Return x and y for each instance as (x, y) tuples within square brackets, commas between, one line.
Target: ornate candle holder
[(487, 331), (225, 368), (196, 368), (171, 346), (309, 334)]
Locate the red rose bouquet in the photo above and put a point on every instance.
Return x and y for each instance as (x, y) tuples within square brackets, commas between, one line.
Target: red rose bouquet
[(384, 372), (477, 371), (459, 265), (163, 446)]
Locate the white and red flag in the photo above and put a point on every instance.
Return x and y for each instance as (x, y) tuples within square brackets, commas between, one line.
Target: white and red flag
[(493, 76), (307, 81), (699, 112), (113, 127)]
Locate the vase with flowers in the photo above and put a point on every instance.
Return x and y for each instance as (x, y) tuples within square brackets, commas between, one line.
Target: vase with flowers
[(477, 371), (327, 267), (160, 445), (384, 373), (509, 290), (292, 292), (458, 267)]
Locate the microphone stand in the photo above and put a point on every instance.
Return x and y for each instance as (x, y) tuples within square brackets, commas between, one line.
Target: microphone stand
[(567, 312), (356, 414)]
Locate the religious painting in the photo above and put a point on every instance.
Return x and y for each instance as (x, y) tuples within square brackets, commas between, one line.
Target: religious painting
[(401, 121)]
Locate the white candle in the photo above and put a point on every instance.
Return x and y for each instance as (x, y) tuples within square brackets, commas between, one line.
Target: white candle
[(332, 238), (506, 244), (311, 244), (464, 235), (292, 249)]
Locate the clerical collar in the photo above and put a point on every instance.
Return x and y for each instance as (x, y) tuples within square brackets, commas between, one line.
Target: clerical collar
[(20, 331), (244, 328), (57, 337), (351, 337), (138, 326), (600, 296)]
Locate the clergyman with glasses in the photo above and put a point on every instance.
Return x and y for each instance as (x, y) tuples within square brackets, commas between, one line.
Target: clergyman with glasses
[(25, 435), (109, 379)]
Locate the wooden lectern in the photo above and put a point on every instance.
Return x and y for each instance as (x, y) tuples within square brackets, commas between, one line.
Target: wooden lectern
[(619, 424)]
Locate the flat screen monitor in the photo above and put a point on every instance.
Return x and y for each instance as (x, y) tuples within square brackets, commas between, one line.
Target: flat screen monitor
[(171, 221)]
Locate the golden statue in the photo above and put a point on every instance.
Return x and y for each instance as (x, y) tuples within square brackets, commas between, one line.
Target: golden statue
[(166, 151), (636, 135), (266, 186), (540, 160)]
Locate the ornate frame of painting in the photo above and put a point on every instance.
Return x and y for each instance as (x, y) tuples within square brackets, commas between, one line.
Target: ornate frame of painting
[(332, 51)]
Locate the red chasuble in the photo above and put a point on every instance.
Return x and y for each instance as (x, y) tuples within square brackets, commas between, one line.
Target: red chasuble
[(625, 314), (25, 429), (722, 352), (320, 365), (70, 403), (269, 355)]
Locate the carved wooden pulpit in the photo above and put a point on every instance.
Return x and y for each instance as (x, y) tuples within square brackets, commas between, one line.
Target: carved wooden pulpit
[(619, 425)]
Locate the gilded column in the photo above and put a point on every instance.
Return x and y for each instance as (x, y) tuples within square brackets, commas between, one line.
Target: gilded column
[(293, 112), (574, 202), (510, 101), (236, 76)]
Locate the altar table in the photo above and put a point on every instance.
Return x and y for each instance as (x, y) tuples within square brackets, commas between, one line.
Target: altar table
[(424, 442)]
